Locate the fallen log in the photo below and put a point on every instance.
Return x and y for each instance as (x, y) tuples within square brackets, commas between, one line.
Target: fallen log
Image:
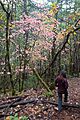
[(22, 102), (11, 99), (64, 104), (14, 97), (8, 101), (9, 105)]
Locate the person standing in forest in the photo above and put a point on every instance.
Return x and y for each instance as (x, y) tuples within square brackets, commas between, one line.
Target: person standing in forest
[(62, 84)]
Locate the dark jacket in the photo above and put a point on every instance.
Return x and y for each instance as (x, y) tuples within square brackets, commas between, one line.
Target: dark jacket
[(62, 84)]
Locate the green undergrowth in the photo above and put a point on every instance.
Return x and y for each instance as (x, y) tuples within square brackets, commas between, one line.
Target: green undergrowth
[(16, 117), (48, 94)]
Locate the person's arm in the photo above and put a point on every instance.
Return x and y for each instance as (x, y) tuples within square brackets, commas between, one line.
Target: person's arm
[(66, 84)]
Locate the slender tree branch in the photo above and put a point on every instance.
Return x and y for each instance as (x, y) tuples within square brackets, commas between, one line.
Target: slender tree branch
[(77, 22), (3, 7)]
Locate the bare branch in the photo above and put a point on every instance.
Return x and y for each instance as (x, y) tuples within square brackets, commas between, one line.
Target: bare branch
[(77, 22), (3, 7), (64, 43)]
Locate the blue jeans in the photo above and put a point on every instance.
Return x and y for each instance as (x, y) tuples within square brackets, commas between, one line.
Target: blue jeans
[(60, 100)]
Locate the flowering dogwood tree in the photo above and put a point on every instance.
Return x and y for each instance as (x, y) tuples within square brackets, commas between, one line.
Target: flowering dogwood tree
[(40, 27)]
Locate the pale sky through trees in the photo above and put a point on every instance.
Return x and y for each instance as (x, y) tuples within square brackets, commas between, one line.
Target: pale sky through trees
[(40, 1)]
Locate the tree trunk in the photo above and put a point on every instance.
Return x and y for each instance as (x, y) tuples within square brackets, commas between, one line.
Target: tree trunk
[(24, 76), (52, 67), (7, 58), (70, 59)]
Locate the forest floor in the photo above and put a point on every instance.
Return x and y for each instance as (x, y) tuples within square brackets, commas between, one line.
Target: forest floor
[(38, 106)]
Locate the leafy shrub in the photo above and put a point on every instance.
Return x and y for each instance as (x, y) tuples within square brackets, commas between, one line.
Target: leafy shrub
[(15, 117)]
